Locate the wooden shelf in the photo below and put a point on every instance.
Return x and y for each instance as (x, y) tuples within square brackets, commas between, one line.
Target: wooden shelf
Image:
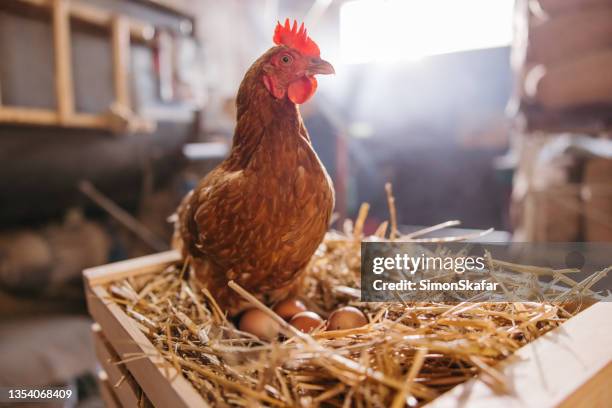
[(122, 30)]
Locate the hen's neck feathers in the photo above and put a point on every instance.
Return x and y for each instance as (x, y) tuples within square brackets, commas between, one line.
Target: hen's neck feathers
[(261, 118)]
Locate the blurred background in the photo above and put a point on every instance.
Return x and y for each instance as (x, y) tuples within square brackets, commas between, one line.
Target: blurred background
[(494, 113)]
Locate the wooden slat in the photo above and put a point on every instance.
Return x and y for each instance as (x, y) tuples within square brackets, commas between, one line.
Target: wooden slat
[(121, 61), (139, 30), (86, 120), (162, 384), (64, 89), (570, 366), (46, 117), (28, 116), (120, 380), (132, 267), (183, 7), (139, 124), (109, 398)]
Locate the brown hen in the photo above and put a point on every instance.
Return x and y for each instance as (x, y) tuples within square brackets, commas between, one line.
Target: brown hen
[(260, 215)]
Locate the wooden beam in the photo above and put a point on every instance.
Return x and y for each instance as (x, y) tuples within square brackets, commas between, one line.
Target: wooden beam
[(64, 88), (125, 218), (46, 117), (182, 7), (87, 120), (139, 30), (28, 116), (121, 61)]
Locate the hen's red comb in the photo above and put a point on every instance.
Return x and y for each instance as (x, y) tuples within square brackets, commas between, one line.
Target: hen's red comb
[(295, 38)]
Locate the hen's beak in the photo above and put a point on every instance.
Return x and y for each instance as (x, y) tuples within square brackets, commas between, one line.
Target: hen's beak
[(319, 66)]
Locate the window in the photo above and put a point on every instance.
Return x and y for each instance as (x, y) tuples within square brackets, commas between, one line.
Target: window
[(396, 30)]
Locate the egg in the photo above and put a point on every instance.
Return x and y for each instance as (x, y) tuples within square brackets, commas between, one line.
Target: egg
[(306, 321), (256, 322), (347, 317), (289, 308)]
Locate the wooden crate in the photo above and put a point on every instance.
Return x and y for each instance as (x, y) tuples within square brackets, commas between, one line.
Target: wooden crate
[(569, 366)]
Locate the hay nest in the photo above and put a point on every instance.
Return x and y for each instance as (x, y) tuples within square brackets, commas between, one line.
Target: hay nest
[(408, 354)]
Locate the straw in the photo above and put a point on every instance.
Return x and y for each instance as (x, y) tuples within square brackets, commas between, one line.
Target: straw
[(409, 353)]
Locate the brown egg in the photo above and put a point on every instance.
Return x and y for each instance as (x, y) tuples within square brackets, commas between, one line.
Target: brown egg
[(289, 308), (256, 322), (306, 321), (347, 317)]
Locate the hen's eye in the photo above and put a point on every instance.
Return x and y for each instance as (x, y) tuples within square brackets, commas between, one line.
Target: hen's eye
[(286, 59)]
